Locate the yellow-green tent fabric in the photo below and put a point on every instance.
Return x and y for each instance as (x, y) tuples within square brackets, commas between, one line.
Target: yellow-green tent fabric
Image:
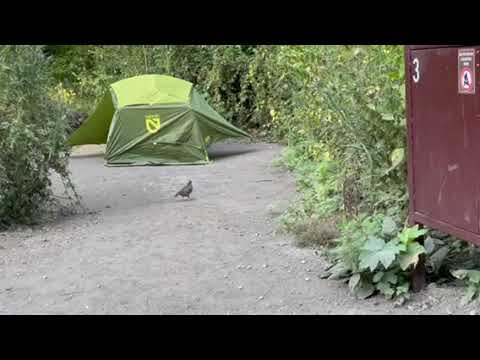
[(154, 120)]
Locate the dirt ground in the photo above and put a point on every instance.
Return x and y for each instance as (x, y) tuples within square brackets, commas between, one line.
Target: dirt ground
[(140, 251)]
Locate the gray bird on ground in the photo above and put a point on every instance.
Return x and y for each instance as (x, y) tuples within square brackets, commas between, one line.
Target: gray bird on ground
[(186, 190)]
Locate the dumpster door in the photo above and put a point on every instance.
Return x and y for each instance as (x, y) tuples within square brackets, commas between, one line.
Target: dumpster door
[(445, 138)]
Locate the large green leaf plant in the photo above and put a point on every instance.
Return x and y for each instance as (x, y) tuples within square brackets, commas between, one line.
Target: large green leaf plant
[(374, 255)]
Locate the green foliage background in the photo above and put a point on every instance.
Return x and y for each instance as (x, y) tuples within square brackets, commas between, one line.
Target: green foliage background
[(343, 101), (339, 108)]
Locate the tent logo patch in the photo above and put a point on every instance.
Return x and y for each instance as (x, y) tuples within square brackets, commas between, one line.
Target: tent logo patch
[(152, 123)]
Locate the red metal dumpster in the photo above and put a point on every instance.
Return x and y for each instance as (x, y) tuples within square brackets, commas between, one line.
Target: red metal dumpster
[(443, 118)]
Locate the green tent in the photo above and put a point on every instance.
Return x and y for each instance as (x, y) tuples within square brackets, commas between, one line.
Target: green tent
[(154, 120)]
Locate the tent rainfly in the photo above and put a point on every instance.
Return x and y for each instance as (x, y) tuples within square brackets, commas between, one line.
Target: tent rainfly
[(154, 120)]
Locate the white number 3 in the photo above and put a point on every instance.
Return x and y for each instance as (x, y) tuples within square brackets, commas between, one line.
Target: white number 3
[(416, 76)]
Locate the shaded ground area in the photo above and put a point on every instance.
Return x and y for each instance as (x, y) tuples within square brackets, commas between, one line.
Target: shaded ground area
[(140, 251)]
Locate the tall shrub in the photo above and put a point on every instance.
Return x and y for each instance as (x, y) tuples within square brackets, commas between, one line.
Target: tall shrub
[(351, 106), (33, 131)]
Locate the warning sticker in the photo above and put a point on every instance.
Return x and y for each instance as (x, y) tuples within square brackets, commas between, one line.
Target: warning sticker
[(466, 71)]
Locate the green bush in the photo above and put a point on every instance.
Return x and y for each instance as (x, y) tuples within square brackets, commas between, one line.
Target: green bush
[(67, 61), (318, 185), (374, 255), (352, 107), (244, 83), (33, 132)]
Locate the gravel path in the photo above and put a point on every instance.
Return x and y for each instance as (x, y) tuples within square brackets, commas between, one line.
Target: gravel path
[(143, 252)]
